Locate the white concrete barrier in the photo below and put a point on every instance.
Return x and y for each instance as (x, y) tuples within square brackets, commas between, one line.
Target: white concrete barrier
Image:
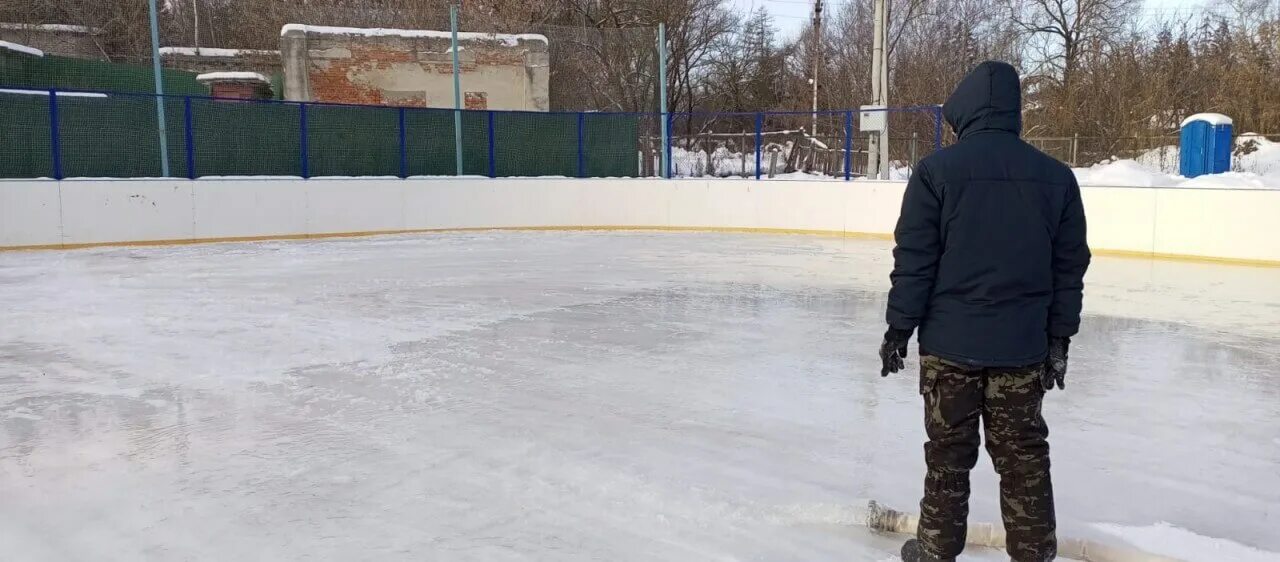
[(1237, 225)]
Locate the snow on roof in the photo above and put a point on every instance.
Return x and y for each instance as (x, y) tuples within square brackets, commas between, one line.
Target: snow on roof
[(1210, 118), (510, 40), (60, 94), (50, 27), (214, 52), (5, 45), (231, 76)]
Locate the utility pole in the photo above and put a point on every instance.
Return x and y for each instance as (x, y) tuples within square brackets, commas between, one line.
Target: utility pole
[(457, 88), (195, 11), (884, 87), (877, 46), (878, 144), (817, 60), (155, 70), (665, 158)]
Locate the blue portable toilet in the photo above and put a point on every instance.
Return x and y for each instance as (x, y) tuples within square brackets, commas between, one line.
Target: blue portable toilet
[(1205, 146)]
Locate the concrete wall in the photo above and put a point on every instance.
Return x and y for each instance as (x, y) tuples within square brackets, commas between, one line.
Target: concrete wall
[(1217, 224), (191, 59), (414, 68), (65, 40)]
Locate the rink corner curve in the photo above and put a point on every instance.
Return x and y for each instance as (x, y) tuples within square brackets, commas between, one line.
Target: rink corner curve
[(1222, 226)]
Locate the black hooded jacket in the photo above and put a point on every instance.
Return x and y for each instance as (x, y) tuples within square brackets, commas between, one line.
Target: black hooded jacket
[(991, 250)]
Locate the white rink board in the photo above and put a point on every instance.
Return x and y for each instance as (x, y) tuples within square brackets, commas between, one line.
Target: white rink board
[(249, 209), (94, 213), (1206, 223), (29, 214)]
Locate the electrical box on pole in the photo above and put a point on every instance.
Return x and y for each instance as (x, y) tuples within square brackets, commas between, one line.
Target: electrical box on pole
[(873, 118)]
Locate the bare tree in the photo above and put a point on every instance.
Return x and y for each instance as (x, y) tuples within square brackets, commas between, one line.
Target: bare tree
[(1070, 30)]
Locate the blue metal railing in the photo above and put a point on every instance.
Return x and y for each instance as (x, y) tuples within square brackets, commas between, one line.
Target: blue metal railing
[(220, 134)]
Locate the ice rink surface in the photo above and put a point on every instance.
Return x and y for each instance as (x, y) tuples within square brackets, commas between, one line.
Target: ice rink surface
[(582, 396)]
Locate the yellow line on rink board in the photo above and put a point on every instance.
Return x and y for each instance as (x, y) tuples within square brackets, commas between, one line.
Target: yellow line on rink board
[(632, 228)]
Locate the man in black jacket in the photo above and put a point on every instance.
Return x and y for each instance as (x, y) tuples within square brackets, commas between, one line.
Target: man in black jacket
[(989, 266)]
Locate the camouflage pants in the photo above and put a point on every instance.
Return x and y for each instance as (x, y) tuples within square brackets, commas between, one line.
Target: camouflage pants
[(1007, 401)]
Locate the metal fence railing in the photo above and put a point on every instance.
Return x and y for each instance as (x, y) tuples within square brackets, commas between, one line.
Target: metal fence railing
[(1082, 151), (770, 144), (1251, 152), (62, 134)]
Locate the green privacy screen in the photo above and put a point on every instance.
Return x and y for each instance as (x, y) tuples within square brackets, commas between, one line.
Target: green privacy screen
[(18, 70), (116, 135)]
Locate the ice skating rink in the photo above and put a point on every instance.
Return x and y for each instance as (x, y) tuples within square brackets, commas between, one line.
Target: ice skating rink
[(582, 396)]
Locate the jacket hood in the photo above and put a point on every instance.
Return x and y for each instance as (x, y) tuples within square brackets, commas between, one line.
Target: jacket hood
[(989, 98)]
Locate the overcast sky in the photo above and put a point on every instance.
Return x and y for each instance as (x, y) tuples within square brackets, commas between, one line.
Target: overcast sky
[(791, 15)]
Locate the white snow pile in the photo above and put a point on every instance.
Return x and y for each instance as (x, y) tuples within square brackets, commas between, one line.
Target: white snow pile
[(898, 171), (508, 39), (51, 27), (1255, 165), (1210, 118), (7, 46), (725, 162), (232, 76), (214, 52), (46, 92), (1168, 540)]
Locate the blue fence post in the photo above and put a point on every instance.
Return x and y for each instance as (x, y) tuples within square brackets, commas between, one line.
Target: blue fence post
[(582, 143), (937, 128), (190, 137), (848, 145), (302, 144), (759, 141), (55, 144), (493, 156), (404, 149)]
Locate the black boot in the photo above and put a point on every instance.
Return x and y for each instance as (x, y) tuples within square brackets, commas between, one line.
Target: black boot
[(913, 551)]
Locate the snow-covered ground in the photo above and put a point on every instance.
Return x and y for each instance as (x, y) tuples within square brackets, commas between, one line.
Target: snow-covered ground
[(574, 396), (1257, 166), (724, 163)]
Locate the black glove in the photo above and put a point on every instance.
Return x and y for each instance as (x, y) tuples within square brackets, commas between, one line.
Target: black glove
[(893, 351), (1055, 365)]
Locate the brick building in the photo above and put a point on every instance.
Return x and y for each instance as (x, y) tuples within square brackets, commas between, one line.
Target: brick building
[(414, 67), (237, 85)]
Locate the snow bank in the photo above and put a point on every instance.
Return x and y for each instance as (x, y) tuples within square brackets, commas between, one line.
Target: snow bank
[(1128, 173), (724, 162), (214, 52), (228, 76), (1254, 153), (1255, 165), (58, 27), (1166, 539), (5, 45), (730, 164), (510, 40), (60, 94)]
